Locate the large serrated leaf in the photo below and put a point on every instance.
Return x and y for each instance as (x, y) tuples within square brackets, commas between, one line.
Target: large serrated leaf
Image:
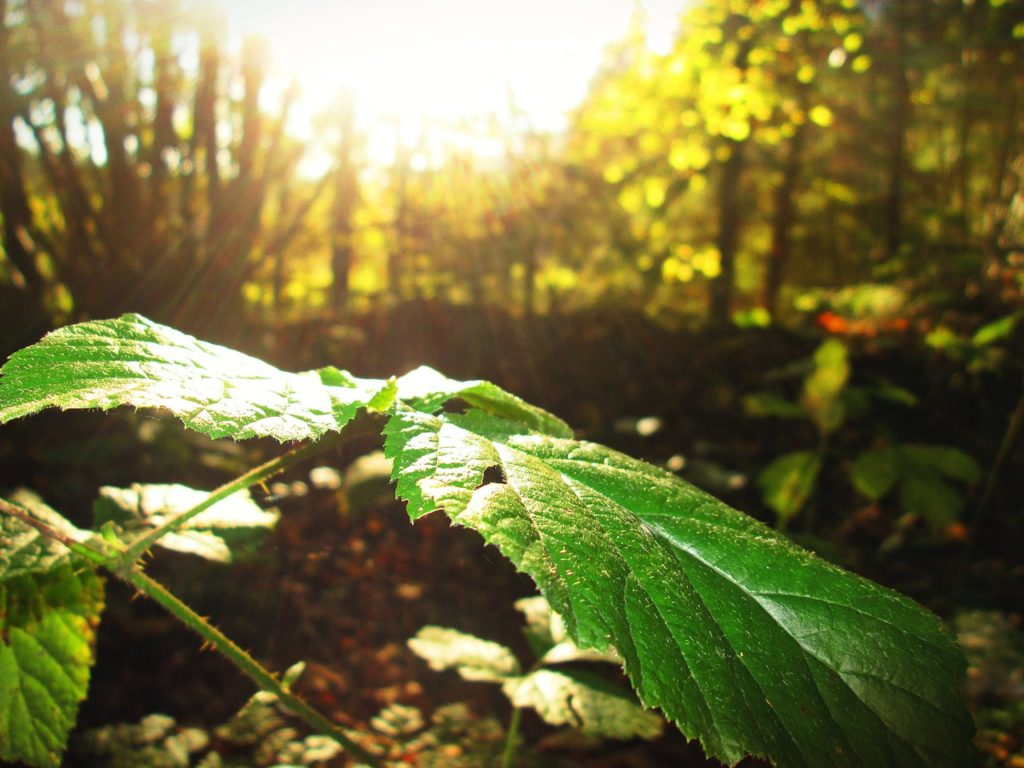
[(212, 389), (427, 390), (48, 617), (746, 641)]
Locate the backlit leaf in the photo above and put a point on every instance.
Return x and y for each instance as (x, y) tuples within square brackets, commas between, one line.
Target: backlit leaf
[(470, 656), (585, 701), (212, 389), (137, 510)]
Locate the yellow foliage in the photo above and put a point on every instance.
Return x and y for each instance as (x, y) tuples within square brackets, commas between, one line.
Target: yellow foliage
[(861, 64), (651, 143), (631, 199), (736, 128), (614, 173), (709, 262), (654, 191), (821, 115)]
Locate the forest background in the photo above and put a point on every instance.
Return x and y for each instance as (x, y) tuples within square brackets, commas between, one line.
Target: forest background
[(805, 213)]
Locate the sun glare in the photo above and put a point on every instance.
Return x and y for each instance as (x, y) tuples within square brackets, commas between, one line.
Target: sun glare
[(411, 64)]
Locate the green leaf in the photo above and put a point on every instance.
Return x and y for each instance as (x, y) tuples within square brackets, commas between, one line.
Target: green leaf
[(49, 612), (822, 389), (995, 331), (427, 390), (894, 394), (24, 550), (212, 389), (218, 391), (584, 701), (472, 657), (874, 473), (943, 459), (746, 641), (565, 697), (236, 520), (765, 404), (929, 497), (945, 339), (789, 481)]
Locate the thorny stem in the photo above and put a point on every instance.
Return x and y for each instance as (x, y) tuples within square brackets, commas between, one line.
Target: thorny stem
[(213, 636), (125, 567), (89, 553), (247, 664)]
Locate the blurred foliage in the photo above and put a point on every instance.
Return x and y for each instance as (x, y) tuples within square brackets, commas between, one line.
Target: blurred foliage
[(562, 696), (923, 473), (776, 149)]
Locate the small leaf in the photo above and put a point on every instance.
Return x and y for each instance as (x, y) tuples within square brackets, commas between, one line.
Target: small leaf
[(874, 473), (944, 459), (24, 550), (549, 638), (997, 330), (544, 628), (946, 340), (822, 389), (894, 394), (234, 520), (932, 499), (470, 656), (789, 481), (765, 404), (212, 389), (744, 640), (584, 701)]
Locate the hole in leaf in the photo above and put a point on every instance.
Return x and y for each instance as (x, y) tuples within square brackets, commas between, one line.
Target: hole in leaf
[(455, 405), (494, 474)]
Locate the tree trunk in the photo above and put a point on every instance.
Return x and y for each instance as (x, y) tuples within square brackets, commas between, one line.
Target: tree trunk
[(899, 123), (728, 238), (17, 216), (783, 219), (345, 195)]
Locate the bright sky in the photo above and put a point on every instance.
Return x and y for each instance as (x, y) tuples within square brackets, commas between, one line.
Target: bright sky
[(443, 60)]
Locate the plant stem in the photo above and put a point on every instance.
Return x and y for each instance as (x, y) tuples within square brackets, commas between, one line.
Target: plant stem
[(252, 477), (512, 739), (89, 553), (1013, 429), (216, 639), (247, 664)]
